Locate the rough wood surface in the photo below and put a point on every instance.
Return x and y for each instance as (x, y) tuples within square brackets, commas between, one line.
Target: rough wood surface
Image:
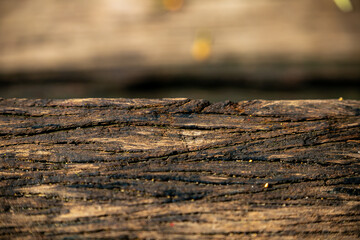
[(179, 169)]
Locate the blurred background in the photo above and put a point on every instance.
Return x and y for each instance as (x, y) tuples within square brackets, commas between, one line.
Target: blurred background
[(216, 50)]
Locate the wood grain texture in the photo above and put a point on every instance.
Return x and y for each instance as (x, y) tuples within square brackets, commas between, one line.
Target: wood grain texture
[(179, 169)]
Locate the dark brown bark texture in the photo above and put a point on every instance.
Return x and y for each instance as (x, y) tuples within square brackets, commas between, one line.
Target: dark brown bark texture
[(179, 169)]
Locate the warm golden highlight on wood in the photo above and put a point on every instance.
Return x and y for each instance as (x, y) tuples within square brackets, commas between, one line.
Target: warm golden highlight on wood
[(179, 169)]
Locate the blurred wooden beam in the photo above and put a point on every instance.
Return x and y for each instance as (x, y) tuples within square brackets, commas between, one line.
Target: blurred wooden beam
[(140, 34)]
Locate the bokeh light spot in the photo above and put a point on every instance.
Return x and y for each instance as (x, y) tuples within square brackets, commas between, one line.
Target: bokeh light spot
[(173, 5), (201, 49), (344, 5)]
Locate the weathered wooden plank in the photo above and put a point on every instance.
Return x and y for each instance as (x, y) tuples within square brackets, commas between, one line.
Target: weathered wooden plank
[(179, 168)]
